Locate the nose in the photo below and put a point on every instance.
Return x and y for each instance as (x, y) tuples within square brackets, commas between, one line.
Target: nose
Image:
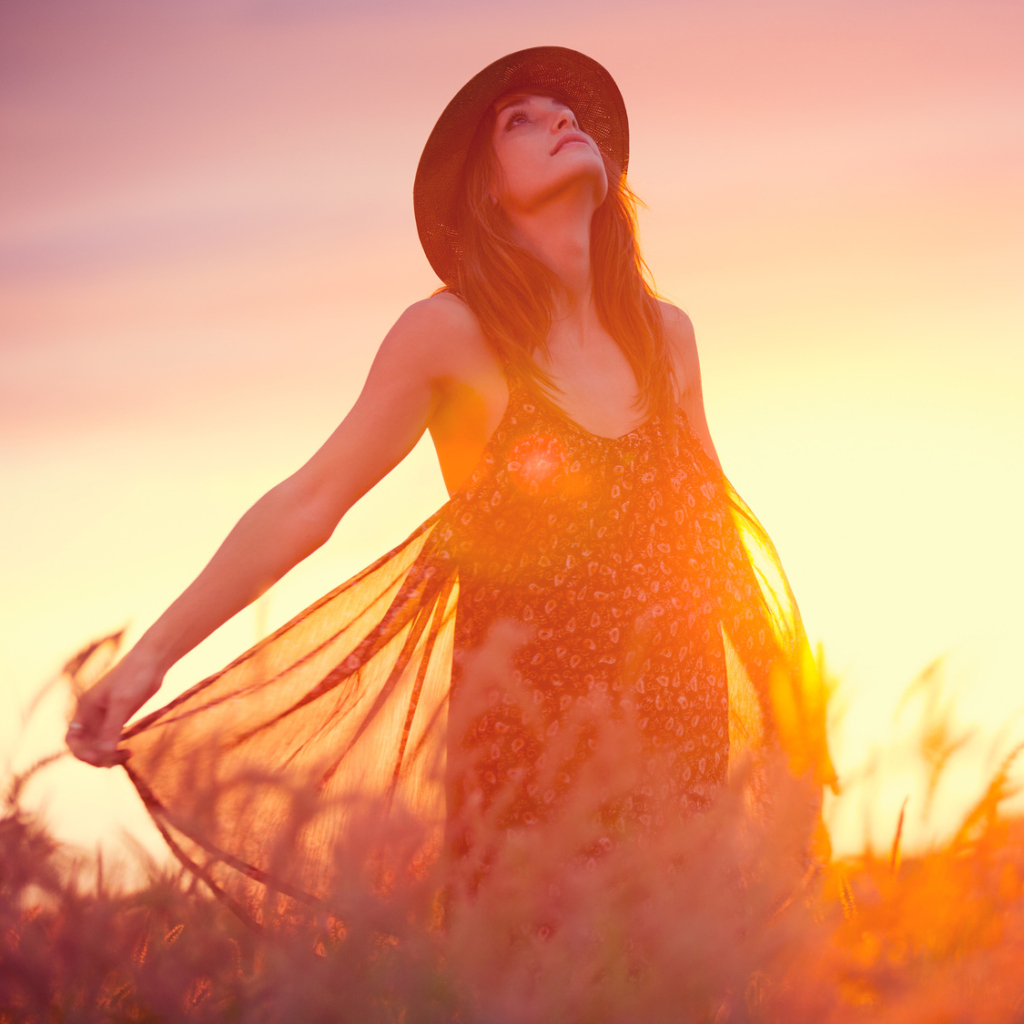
[(564, 118)]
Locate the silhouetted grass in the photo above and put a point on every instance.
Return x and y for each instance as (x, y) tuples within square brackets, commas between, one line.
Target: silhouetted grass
[(722, 917)]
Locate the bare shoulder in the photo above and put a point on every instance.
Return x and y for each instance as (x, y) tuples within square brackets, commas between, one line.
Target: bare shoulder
[(442, 310), (440, 332), (677, 324), (682, 342), (683, 345)]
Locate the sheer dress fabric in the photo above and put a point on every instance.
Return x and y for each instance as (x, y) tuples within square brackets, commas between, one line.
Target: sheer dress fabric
[(575, 582)]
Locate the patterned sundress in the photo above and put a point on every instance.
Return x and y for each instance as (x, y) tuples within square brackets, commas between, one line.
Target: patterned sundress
[(575, 583)]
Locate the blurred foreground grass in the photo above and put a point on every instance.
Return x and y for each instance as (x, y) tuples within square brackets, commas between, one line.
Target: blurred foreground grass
[(722, 919)]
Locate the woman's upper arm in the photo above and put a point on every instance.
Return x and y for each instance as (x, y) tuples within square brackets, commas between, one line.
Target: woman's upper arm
[(683, 344), (390, 414)]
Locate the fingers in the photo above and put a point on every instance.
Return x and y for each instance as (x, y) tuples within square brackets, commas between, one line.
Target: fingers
[(95, 730), (82, 730), (117, 714)]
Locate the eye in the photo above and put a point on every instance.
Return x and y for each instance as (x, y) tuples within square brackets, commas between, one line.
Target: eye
[(516, 118)]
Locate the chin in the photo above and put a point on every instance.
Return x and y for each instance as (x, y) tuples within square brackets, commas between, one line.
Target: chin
[(577, 178)]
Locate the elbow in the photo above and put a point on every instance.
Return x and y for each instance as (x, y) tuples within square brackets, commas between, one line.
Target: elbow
[(317, 520), (310, 516), (312, 533)]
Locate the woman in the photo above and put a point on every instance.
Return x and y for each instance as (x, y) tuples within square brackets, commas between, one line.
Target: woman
[(593, 569)]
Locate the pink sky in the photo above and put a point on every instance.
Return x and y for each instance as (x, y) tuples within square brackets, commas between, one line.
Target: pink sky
[(206, 227)]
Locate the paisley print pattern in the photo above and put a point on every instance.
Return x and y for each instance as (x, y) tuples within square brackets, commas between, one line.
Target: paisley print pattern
[(612, 553), (580, 595)]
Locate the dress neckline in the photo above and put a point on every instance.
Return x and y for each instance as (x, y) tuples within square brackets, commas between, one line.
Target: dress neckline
[(515, 380)]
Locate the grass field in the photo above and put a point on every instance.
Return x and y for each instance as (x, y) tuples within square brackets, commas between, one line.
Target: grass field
[(726, 917)]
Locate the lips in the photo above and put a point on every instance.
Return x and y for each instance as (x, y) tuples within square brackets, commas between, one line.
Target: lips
[(570, 137)]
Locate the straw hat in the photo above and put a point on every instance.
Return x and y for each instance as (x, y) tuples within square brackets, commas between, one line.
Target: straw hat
[(571, 77)]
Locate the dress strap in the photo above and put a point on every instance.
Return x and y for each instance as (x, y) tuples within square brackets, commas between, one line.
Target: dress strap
[(517, 383)]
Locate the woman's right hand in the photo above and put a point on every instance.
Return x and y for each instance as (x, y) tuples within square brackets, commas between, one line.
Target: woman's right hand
[(102, 711), (294, 518)]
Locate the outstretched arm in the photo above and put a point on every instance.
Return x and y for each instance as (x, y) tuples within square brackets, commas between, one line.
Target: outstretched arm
[(288, 523)]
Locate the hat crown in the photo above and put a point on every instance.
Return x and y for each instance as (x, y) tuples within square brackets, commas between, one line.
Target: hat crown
[(567, 75)]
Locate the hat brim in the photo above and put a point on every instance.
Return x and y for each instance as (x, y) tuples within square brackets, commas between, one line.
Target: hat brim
[(572, 77)]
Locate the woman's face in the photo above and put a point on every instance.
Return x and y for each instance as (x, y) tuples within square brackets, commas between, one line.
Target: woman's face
[(541, 153)]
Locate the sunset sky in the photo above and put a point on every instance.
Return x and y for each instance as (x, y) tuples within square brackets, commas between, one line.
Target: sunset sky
[(206, 228)]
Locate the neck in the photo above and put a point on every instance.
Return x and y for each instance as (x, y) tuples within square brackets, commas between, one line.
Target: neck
[(558, 234)]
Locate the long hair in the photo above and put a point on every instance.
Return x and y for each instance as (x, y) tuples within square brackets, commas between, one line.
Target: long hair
[(511, 291)]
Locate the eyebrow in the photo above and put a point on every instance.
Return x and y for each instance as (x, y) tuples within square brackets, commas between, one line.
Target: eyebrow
[(508, 101)]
